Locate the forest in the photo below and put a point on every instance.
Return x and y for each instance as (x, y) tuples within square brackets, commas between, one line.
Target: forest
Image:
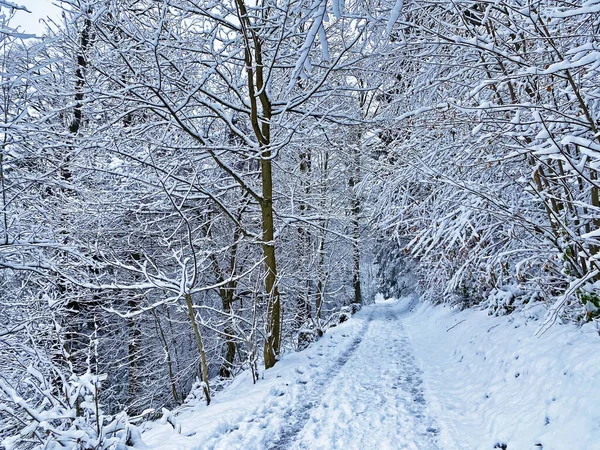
[(191, 189)]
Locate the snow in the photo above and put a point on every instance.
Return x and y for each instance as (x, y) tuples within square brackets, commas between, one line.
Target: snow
[(491, 381), (376, 400), (338, 8), (357, 387), (407, 375), (394, 16), (379, 299), (303, 62), (589, 7)]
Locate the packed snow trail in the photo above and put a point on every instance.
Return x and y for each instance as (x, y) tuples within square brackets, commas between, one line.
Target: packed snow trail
[(376, 399), (358, 387)]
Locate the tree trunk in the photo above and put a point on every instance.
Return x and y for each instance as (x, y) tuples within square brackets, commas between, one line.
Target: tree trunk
[(226, 294), (356, 255), (320, 294), (76, 310), (355, 211), (319, 297), (273, 340), (165, 345), (135, 337), (261, 126), (203, 363), (303, 306)]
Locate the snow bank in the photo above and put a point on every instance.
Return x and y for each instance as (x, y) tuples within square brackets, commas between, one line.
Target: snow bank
[(491, 383)]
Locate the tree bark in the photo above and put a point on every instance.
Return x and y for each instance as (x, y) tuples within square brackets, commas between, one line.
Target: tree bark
[(273, 340), (199, 342), (355, 211), (261, 125)]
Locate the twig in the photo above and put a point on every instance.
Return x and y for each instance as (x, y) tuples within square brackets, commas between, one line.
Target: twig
[(456, 324)]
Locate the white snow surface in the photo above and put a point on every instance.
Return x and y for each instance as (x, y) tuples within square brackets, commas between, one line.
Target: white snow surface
[(400, 375), (490, 381)]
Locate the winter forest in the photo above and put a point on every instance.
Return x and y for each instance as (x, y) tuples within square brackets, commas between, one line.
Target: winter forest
[(192, 190)]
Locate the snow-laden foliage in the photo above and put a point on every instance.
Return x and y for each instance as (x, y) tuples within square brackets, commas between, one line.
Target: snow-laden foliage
[(180, 194), (63, 415), (490, 147)]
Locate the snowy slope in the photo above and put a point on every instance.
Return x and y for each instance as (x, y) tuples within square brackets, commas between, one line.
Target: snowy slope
[(491, 381), (428, 379)]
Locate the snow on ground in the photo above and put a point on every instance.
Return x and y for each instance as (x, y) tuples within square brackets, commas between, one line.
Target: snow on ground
[(432, 378), (491, 381), (356, 388)]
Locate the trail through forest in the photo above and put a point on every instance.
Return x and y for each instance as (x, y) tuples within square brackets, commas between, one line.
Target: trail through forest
[(358, 387), (376, 399), (186, 186), (404, 375)]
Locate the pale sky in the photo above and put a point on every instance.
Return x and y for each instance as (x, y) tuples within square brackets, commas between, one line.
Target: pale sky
[(30, 23)]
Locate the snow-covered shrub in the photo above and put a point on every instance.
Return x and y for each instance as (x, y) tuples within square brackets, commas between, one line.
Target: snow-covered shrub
[(494, 181), (589, 295), (506, 299), (169, 417), (307, 336), (355, 307), (69, 417), (344, 314)]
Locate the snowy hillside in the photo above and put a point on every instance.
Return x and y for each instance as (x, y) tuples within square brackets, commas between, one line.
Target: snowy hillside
[(424, 379)]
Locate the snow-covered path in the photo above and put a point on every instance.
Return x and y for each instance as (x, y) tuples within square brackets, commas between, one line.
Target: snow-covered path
[(376, 399), (356, 388)]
